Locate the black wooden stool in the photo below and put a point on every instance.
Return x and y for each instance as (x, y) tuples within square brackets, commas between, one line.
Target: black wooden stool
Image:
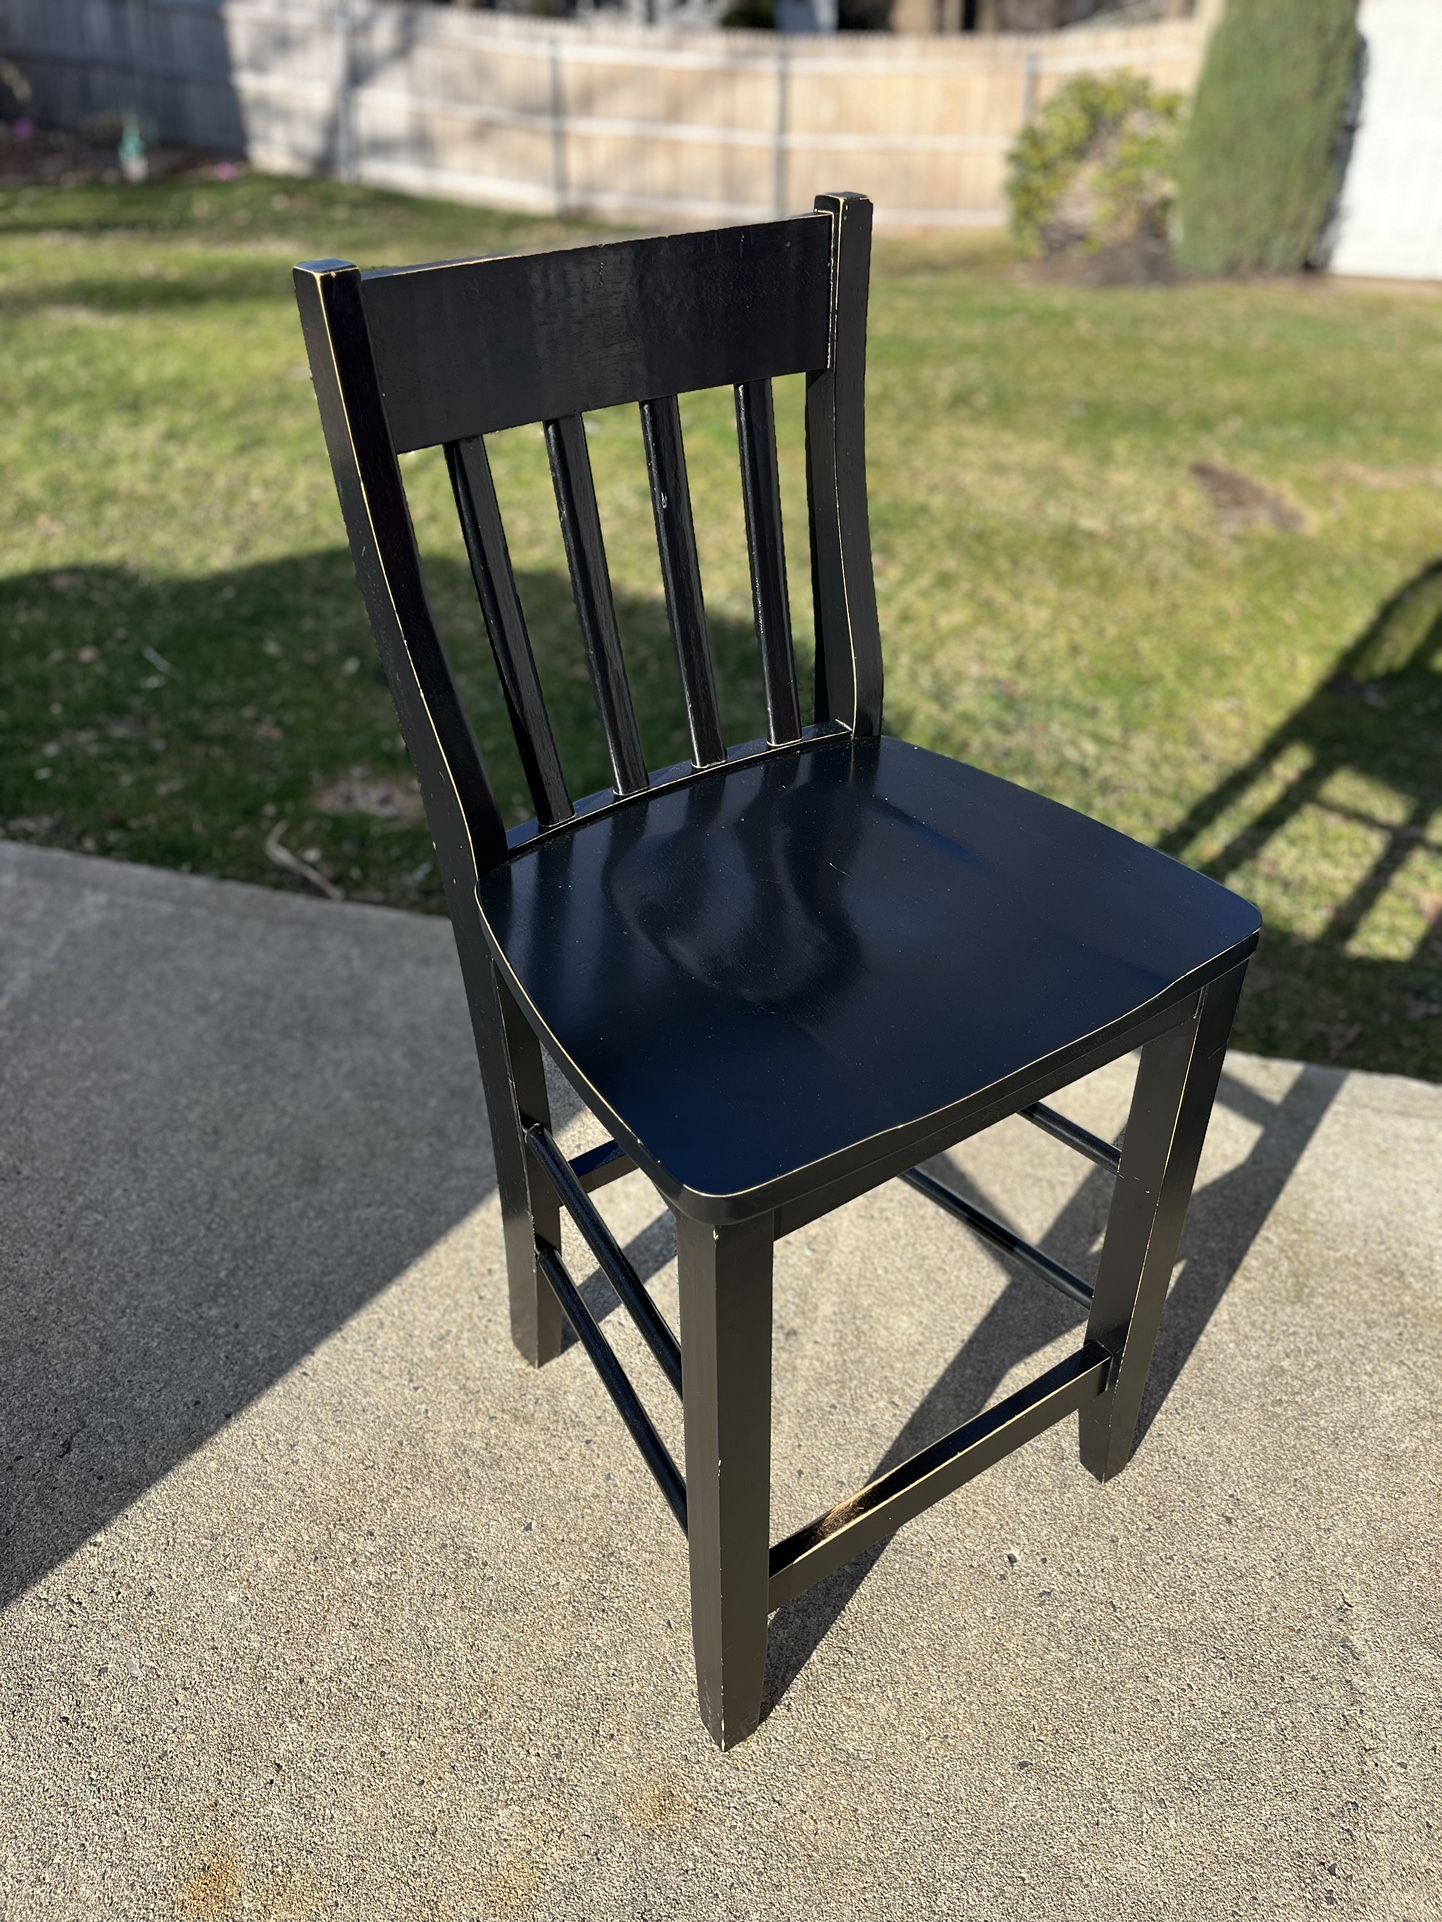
[(781, 973)]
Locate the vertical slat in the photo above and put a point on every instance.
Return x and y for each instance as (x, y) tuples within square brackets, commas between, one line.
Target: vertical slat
[(681, 575), (848, 639), (480, 513), (766, 546), (591, 584)]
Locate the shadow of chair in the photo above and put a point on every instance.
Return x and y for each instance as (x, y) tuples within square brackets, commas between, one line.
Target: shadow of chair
[(1362, 753), (146, 1380), (1376, 717), (1227, 1214)]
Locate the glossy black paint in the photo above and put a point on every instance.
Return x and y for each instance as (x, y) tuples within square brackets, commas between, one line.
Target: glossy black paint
[(766, 549), (480, 515), (471, 346), (879, 1509), (1171, 1105), (613, 1264), (1000, 1236), (513, 1073), (841, 944), (1062, 1128), (725, 1278), (460, 807), (599, 1167), (783, 972), (848, 639), (596, 609), (652, 1449), (681, 575)]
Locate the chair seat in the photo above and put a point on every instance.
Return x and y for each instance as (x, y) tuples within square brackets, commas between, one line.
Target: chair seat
[(787, 964)]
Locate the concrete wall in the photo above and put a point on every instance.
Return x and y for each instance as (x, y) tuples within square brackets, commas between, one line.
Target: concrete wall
[(563, 116)]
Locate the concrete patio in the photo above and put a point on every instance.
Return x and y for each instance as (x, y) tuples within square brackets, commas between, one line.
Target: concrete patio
[(318, 1603)]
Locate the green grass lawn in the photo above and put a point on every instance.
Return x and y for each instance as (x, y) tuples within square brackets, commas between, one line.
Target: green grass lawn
[(1245, 674)]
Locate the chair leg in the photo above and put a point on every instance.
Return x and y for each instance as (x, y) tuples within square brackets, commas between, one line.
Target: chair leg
[(725, 1280), (1171, 1106), (514, 1077)]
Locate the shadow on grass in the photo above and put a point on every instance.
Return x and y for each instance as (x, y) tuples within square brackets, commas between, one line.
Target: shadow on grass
[(268, 690), (1376, 717), (1363, 753), (223, 284), (176, 722), (222, 1135)]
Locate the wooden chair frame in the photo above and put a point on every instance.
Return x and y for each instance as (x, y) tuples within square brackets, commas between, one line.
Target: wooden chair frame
[(445, 355)]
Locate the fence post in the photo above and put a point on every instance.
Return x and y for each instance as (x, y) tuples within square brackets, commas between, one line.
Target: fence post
[(345, 151), (780, 185), (559, 188), (1028, 89)]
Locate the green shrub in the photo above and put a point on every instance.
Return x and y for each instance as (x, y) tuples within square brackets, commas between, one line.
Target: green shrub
[(1094, 168), (1261, 159)]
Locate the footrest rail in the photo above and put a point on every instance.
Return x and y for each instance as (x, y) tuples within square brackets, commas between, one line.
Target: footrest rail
[(616, 1382), (1074, 1135), (598, 1166), (611, 1261), (905, 1491), (1000, 1236)]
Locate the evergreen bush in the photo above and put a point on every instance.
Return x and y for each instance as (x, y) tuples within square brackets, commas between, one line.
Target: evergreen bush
[(1262, 155)]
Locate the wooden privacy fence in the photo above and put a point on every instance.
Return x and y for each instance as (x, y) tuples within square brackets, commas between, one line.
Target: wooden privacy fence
[(560, 116)]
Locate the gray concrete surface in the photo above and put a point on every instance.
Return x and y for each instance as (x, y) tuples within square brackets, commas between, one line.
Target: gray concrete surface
[(320, 1604)]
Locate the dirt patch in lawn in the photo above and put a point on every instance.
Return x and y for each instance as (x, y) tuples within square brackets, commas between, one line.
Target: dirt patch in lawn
[(362, 793), (1241, 502)]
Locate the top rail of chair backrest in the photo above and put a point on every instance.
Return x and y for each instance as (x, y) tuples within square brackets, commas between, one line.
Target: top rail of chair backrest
[(469, 347)]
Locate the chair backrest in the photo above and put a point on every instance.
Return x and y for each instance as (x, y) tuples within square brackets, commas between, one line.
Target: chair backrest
[(444, 355)]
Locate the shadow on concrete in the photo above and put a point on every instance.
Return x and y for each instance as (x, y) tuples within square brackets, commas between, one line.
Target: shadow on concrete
[(1376, 717), (229, 1124), (1226, 1216)]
